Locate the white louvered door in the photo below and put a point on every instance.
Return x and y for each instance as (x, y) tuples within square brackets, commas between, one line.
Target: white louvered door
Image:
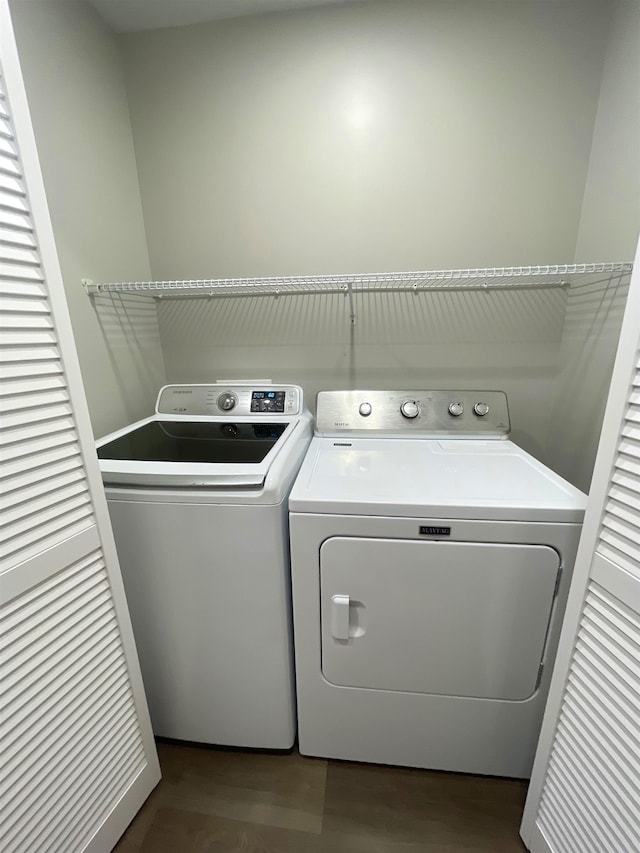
[(77, 751), (585, 787)]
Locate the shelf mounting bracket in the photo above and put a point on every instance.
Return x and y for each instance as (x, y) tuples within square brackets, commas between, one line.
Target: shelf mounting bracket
[(352, 311)]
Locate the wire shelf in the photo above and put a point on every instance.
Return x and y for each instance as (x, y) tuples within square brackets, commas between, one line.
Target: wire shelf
[(491, 278)]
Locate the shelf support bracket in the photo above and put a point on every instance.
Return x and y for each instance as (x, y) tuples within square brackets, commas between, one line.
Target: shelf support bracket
[(90, 287), (352, 311)]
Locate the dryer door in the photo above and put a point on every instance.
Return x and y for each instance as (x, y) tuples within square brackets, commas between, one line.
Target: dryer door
[(452, 618)]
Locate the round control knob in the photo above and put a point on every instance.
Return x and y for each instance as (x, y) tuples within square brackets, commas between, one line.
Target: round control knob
[(226, 402), (365, 409), (409, 409), (456, 409), (481, 409)]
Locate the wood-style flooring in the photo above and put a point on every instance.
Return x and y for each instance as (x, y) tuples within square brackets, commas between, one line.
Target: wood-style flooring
[(214, 801)]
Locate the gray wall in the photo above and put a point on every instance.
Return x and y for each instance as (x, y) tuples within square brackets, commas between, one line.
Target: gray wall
[(610, 219), (377, 136), (609, 228), (369, 137), (75, 87)]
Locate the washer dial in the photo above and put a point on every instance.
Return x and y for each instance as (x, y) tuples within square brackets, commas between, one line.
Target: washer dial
[(480, 409), (365, 409), (226, 401), (456, 409), (409, 409)]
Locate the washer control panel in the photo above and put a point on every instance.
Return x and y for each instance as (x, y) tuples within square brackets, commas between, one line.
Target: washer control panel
[(447, 414), (268, 401), (222, 399)]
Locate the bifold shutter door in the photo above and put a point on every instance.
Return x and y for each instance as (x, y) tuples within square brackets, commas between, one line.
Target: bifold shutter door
[(77, 753), (591, 797), (620, 535), (43, 490)]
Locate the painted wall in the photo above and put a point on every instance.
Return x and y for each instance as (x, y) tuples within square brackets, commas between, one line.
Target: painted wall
[(610, 220), (377, 136), (75, 86), (372, 137), (609, 228)]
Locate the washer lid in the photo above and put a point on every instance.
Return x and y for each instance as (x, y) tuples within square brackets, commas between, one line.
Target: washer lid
[(431, 478), (204, 453), (195, 441)]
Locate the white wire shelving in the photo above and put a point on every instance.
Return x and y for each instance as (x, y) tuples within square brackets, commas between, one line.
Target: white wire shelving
[(491, 278)]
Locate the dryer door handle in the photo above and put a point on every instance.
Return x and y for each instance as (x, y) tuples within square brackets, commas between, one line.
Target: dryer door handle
[(340, 616)]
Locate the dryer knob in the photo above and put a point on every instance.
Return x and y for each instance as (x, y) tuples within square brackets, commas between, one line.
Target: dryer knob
[(456, 409), (409, 409), (365, 409), (226, 402), (481, 409)]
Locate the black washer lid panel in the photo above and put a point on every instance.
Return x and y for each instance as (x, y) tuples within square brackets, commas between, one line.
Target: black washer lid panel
[(190, 441)]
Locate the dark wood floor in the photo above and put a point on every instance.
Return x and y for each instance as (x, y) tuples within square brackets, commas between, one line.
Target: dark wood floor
[(214, 800)]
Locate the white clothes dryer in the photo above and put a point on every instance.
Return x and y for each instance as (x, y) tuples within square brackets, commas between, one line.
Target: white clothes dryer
[(197, 495), (431, 560)]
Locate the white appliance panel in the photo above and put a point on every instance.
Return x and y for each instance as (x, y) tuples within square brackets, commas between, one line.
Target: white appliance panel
[(204, 552), (457, 733), (451, 618), (456, 479), (208, 590)]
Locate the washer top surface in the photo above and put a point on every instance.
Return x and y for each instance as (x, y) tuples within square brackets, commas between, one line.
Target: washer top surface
[(388, 472), (222, 435)]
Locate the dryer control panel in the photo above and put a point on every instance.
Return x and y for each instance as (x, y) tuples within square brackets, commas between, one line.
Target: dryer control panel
[(427, 414), (237, 399)]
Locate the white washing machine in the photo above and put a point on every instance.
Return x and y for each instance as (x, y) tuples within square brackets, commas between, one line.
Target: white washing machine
[(431, 560), (198, 500)]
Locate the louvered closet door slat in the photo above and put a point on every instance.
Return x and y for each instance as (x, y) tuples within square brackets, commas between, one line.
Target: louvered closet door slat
[(12, 439), (12, 359), (619, 538), (16, 390), (5, 128), (42, 490), (10, 184), (594, 768), (70, 692), (17, 221), (16, 272), (16, 517), (8, 166), (14, 306), (69, 522), (22, 289), (39, 453), (41, 397), (7, 147), (39, 477), (9, 423), (10, 238), (11, 201), (24, 369)]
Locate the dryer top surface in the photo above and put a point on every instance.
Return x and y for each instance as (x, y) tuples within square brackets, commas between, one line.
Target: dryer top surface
[(430, 477)]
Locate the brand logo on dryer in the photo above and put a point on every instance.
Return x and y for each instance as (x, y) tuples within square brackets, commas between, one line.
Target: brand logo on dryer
[(426, 530)]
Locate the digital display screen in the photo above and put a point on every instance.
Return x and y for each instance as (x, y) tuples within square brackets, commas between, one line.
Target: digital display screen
[(267, 401)]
